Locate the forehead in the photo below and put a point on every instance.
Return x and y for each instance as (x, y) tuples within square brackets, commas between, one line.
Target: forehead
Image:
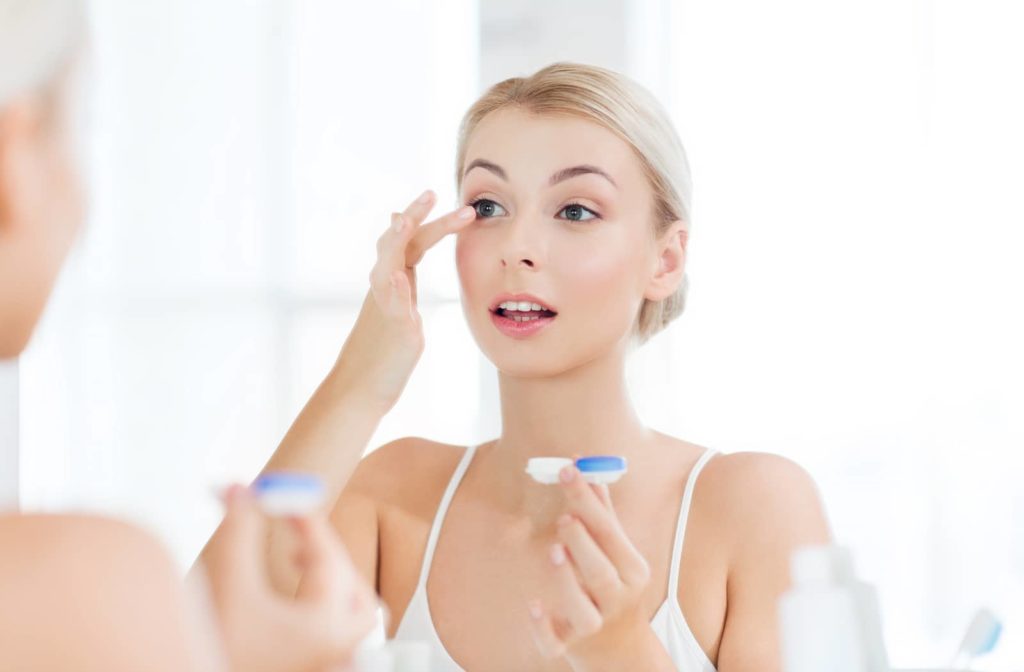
[(531, 147)]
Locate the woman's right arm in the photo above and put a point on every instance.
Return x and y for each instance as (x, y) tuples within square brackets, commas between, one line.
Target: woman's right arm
[(333, 430)]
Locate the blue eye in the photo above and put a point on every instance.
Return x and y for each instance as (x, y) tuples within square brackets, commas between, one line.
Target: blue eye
[(485, 209), (488, 205), (577, 208)]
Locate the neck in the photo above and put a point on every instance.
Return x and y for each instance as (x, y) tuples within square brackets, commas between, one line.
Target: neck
[(580, 412), (584, 411)]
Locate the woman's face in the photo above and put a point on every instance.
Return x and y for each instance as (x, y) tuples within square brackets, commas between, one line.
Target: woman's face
[(582, 242), (41, 208)]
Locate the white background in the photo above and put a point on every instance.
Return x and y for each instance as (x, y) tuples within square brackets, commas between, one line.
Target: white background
[(855, 285)]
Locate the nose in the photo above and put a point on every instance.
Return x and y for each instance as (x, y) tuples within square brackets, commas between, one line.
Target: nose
[(522, 243)]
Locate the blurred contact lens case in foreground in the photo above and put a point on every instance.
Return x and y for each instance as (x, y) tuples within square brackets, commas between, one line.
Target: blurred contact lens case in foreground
[(289, 493), (599, 469)]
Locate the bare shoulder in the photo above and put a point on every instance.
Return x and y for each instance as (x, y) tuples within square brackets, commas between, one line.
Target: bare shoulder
[(54, 568), (93, 549), (760, 507), (768, 505), (408, 473), (45, 537), (766, 497), (745, 475)]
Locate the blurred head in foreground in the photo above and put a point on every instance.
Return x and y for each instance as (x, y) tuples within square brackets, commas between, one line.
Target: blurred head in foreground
[(41, 206)]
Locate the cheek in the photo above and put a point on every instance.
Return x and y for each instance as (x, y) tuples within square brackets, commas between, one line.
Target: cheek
[(469, 260), (601, 276)]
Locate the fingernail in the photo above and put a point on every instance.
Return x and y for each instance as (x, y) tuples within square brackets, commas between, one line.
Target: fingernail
[(535, 611), (567, 474), (396, 221), (466, 213), (424, 197), (557, 554)]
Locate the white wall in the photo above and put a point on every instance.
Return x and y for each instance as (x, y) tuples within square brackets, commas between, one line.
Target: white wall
[(246, 157), (856, 283)]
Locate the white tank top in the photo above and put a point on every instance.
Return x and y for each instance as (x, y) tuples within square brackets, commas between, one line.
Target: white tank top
[(668, 623)]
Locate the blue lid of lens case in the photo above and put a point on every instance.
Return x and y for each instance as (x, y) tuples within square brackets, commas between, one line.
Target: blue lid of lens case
[(601, 463), (290, 480), (289, 493)]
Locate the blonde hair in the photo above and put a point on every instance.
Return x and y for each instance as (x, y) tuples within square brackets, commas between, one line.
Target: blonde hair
[(630, 111)]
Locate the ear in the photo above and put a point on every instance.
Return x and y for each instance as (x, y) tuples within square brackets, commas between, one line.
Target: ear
[(671, 262)]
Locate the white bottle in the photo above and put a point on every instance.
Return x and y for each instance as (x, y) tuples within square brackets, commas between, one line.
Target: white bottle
[(828, 619)]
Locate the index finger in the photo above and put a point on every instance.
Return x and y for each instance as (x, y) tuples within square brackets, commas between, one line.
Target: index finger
[(603, 525), (393, 243), (417, 211), (429, 234)]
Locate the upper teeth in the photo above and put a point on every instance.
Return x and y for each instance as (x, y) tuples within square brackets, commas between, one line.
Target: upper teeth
[(520, 306)]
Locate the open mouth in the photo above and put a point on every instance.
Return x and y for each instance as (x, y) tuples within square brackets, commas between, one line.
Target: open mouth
[(524, 316)]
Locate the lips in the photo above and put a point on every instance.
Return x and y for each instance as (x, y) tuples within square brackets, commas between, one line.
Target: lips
[(521, 324), (521, 329)]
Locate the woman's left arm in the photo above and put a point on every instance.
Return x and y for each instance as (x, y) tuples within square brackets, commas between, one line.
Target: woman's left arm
[(775, 507)]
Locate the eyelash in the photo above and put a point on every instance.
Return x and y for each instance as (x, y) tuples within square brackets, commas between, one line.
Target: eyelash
[(596, 215)]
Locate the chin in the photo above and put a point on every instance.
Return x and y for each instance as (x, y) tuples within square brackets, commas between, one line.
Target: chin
[(508, 367), (523, 359), (519, 359)]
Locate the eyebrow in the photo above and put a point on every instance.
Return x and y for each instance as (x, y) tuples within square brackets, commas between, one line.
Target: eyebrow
[(559, 176)]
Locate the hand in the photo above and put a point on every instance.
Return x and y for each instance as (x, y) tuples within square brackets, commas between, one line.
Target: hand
[(387, 340), (596, 609), (263, 631)]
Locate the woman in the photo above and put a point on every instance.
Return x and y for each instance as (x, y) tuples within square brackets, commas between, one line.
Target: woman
[(571, 251), (89, 593)]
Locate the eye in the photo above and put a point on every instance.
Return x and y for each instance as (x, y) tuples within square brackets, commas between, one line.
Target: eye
[(485, 207), (577, 211)]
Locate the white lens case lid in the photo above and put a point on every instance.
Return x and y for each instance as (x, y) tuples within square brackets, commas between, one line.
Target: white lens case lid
[(545, 469)]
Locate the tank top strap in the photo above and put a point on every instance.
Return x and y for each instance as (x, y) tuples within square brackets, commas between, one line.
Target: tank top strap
[(684, 515), (442, 510)]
